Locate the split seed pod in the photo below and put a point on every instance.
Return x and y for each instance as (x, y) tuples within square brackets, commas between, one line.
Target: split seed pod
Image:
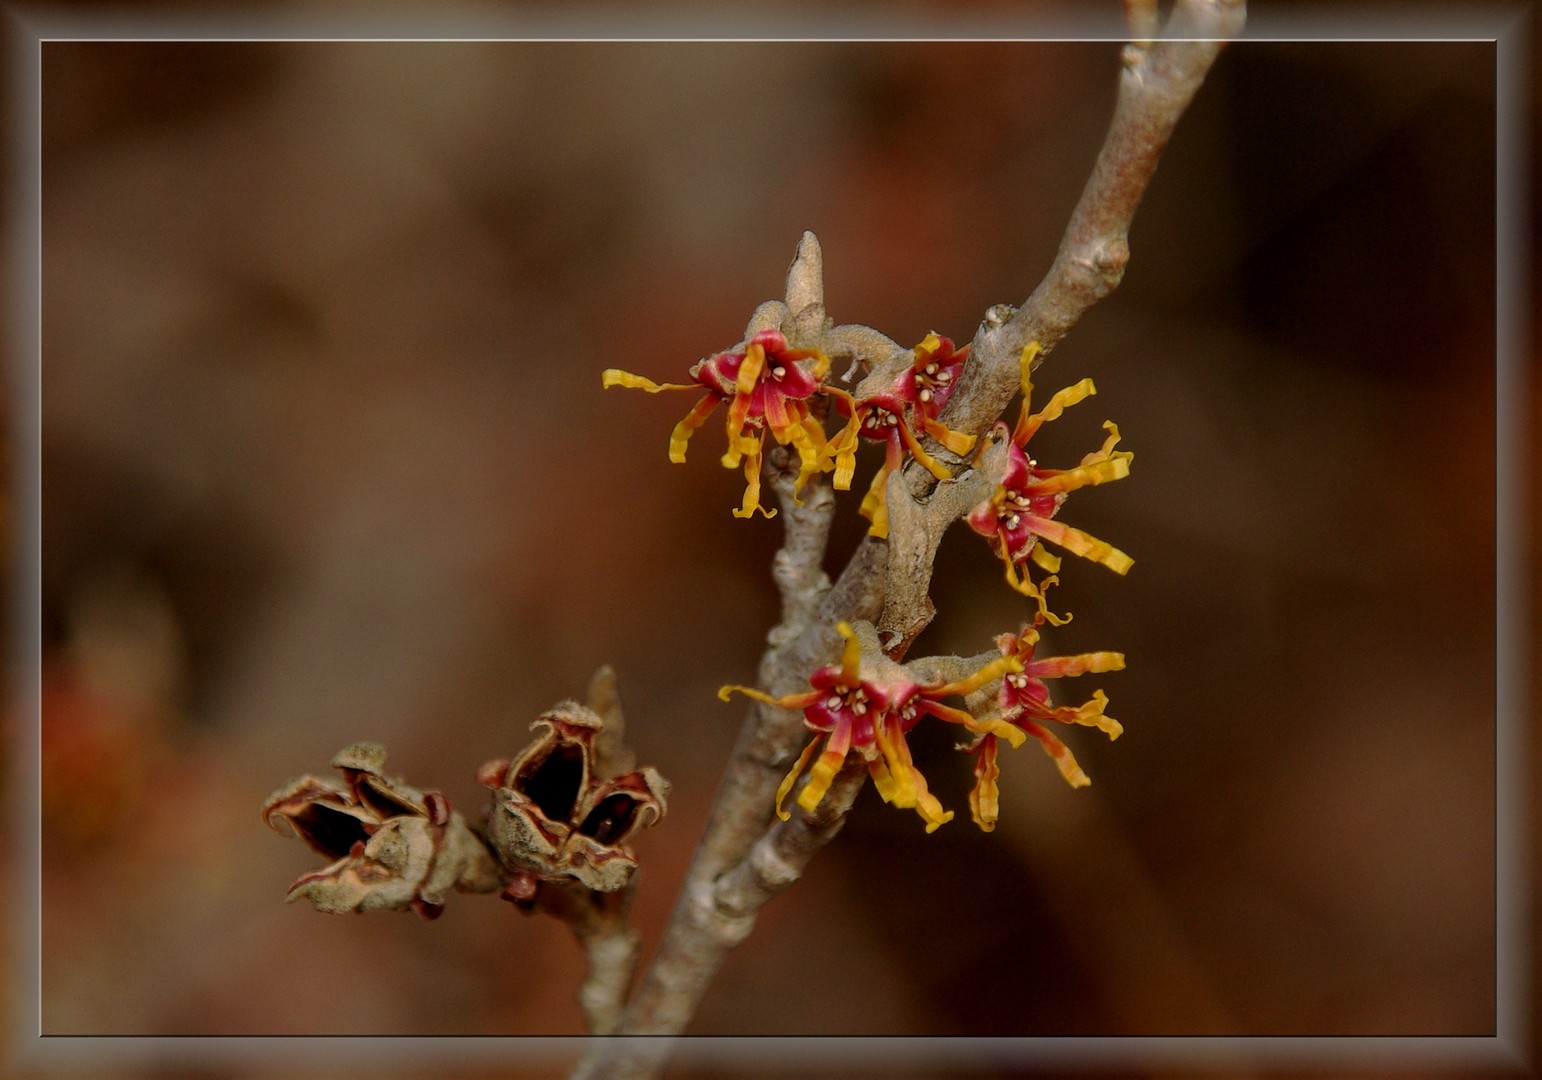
[(558, 812), (392, 846)]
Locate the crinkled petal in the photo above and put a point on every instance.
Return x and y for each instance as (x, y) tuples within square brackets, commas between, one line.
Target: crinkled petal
[(1028, 425), (1056, 667), (929, 463), (906, 786), (1044, 559), (752, 484), (1022, 583), (929, 807), (875, 506), (968, 685), (1091, 714), (819, 779), (902, 772), (984, 798), (792, 777), (616, 377), (1106, 451), (1065, 761), (883, 780), (1054, 481), (828, 764), (851, 654), (681, 435), (750, 368), (807, 437), (1080, 543), (986, 726), (777, 418), (738, 411), (956, 441), (787, 701)]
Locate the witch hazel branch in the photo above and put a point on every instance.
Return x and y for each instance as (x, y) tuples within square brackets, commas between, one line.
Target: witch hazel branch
[(836, 695)]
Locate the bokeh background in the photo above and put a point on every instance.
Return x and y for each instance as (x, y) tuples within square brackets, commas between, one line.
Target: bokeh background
[(326, 457)]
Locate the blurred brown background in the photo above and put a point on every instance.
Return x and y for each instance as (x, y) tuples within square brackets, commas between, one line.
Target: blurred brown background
[(326, 457)]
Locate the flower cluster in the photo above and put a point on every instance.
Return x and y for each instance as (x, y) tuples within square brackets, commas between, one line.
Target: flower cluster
[(867, 703), (770, 387)]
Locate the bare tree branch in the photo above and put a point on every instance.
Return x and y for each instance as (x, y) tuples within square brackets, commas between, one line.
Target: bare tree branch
[(713, 917), (742, 862), (600, 923), (1155, 87)]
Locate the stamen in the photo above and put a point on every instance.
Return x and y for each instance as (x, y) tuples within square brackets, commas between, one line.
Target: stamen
[(778, 371), (945, 376), (891, 419), (925, 394), (931, 369), (833, 703)]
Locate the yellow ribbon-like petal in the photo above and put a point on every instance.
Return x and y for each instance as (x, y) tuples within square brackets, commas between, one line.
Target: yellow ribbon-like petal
[(969, 684), (1103, 471), (808, 439), (749, 369), (1091, 714), (984, 799), (883, 780), (929, 463), (902, 773), (1025, 362), (787, 701), (1064, 399), (851, 653), (752, 482), (611, 377), (1023, 584), (792, 777), (956, 441), (1080, 543), (1064, 759), (1058, 667), (819, 779), (1044, 559), (1107, 449), (681, 435), (875, 504), (987, 726), (930, 809)]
